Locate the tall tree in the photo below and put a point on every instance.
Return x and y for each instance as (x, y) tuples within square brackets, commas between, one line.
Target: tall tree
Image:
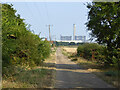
[(104, 24)]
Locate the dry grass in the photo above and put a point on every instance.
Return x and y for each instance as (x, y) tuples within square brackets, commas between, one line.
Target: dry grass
[(99, 70), (37, 77), (70, 49), (25, 79), (34, 78), (51, 59)]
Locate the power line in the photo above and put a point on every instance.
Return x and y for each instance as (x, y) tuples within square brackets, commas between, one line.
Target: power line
[(47, 11), (39, 12), (30, 13)]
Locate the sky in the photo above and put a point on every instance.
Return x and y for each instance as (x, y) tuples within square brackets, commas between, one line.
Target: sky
[(62, 15)]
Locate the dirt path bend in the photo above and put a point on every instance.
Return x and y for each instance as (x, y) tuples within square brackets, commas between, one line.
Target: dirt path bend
[(70, 75)]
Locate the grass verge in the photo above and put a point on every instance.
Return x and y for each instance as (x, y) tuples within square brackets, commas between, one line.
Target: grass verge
[(25, 77), (64, 52), (110, 75)]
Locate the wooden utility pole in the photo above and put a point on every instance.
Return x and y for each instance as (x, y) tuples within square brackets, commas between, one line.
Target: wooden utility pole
[(49, 32)]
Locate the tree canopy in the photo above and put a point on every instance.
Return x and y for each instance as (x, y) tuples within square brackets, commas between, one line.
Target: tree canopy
[(104, 24), (19, 44)]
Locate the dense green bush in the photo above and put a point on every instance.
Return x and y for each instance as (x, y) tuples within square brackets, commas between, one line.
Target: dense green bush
[(100, 53), (19, 45), (89, 49), (80, 50)]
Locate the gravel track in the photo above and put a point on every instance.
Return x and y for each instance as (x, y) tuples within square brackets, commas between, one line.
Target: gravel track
[(70, 75)]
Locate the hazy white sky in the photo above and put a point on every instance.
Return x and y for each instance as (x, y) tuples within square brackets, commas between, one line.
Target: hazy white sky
[(62, 15)]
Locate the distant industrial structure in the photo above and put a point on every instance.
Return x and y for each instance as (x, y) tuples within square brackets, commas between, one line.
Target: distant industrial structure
[(82, 38), (75, 39), (66, 38)]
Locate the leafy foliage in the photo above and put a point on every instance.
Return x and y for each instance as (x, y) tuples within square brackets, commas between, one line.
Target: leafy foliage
[(89, 49), (104, 24), (67, 43), (19, 45)]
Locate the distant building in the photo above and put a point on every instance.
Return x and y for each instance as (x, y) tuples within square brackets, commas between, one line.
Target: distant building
[(65, 37), (82, 38)]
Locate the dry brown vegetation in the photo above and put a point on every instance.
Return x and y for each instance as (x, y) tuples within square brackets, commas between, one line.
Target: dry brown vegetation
[(70, 49)]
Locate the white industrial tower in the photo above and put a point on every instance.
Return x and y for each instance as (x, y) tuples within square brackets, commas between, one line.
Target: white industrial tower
[(74, 29)]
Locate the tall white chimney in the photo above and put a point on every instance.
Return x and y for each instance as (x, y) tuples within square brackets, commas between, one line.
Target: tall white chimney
[(74, 29)]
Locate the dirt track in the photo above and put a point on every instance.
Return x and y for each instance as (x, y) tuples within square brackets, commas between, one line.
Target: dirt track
[(70, 75)]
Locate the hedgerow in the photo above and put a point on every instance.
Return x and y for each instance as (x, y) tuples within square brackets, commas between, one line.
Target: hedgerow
[(92, 51), (99, 53), (19, 45)]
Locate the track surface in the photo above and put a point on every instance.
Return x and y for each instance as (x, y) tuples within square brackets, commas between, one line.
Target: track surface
[(70, 75)]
